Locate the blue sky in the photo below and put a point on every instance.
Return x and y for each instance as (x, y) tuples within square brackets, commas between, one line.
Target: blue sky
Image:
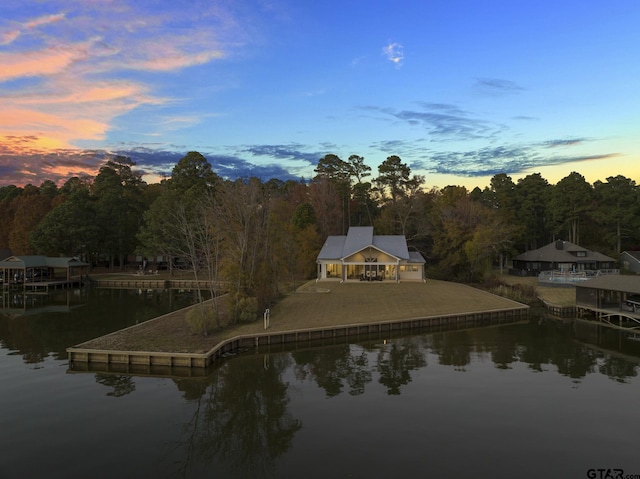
[(460, 90)]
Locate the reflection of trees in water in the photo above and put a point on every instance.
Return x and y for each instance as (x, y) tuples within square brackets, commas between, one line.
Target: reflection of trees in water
[(396, 359), (453, 348), (618, 369), (333, 366), (240, 420), (71, 316), (539, 344), (122, 385)]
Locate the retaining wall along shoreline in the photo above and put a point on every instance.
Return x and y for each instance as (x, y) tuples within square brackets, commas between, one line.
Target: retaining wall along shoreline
[(85, 359)]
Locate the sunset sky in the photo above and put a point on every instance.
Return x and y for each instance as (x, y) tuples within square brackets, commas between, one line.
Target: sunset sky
[(460, 90)]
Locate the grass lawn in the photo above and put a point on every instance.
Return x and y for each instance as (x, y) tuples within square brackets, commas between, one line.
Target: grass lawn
[(311, 306)]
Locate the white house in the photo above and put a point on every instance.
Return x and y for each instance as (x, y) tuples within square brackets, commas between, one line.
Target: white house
[(363, 256)]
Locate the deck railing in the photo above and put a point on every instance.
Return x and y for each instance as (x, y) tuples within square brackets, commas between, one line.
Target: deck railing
[(570, 277)]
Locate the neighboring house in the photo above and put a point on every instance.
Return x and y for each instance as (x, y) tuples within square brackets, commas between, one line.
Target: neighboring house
[(630, 261), (563, 256), (363, 256)]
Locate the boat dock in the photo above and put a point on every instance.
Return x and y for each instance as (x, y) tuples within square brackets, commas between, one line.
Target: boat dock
[(44, 286)]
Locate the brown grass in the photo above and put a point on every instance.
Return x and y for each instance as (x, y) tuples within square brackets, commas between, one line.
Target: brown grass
[(311, 306)]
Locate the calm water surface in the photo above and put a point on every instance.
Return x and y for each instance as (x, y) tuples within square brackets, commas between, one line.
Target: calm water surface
[(538, 399)]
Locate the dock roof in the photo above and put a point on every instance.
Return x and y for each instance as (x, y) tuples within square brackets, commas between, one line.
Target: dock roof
[(615, 282), (36, 261)]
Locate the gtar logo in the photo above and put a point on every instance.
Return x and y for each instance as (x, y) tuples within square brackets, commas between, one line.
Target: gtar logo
[(605, 474)]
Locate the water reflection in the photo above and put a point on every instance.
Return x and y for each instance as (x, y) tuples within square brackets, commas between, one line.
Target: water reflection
[(119, 385), (15, 303), (47, 324), (242, 422), (240, 419), (518, 396), (334, 368)]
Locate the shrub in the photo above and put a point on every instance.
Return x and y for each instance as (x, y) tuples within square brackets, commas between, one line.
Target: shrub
[(245, 309), (201, 320)]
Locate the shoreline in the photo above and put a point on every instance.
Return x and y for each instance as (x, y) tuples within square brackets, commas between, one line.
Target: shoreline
[(341, 308)]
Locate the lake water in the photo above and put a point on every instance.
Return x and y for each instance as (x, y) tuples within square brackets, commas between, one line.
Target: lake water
[(545, 398)]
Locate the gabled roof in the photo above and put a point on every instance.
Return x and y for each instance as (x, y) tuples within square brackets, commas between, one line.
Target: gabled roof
[(361, 237), (562, 252), (24, 262), (358, 238), (634, 255)]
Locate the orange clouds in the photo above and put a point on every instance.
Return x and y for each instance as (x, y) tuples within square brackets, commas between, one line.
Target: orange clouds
[(68, 77), (38, 63), (168, 63), (33, 159), (62, 81)]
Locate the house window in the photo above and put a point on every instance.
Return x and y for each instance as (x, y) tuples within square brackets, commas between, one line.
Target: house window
[(409, 268), (581, 254)]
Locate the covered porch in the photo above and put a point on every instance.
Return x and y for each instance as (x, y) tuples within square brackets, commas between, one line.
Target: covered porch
[(363, 271)]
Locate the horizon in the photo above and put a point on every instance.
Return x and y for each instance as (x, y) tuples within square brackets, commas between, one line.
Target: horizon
[(426, 185)]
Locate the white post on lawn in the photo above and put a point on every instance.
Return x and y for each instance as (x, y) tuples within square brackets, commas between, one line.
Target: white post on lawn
[(266, 318)]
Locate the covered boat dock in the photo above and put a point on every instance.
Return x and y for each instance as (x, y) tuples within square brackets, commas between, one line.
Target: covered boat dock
[(613, 299), (41, 273)]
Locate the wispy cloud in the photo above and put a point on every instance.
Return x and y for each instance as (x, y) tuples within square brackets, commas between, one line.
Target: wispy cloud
[(292, 152), (394, 52), (496, 87), (489, 161), (567, 142), (10, 34), (442, 121)]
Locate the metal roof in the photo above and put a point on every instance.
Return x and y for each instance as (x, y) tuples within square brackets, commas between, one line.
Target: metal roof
[(358, 238), (416, 257), (615, 282), (395, 245), (361, 237), (35, 261), (332, 248)]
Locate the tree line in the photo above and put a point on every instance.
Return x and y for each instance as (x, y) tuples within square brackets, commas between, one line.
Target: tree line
[(257, 236)]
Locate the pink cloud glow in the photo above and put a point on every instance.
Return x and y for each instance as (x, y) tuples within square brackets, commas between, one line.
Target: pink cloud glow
[(73, 63), (38, 63), (44, 20)]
